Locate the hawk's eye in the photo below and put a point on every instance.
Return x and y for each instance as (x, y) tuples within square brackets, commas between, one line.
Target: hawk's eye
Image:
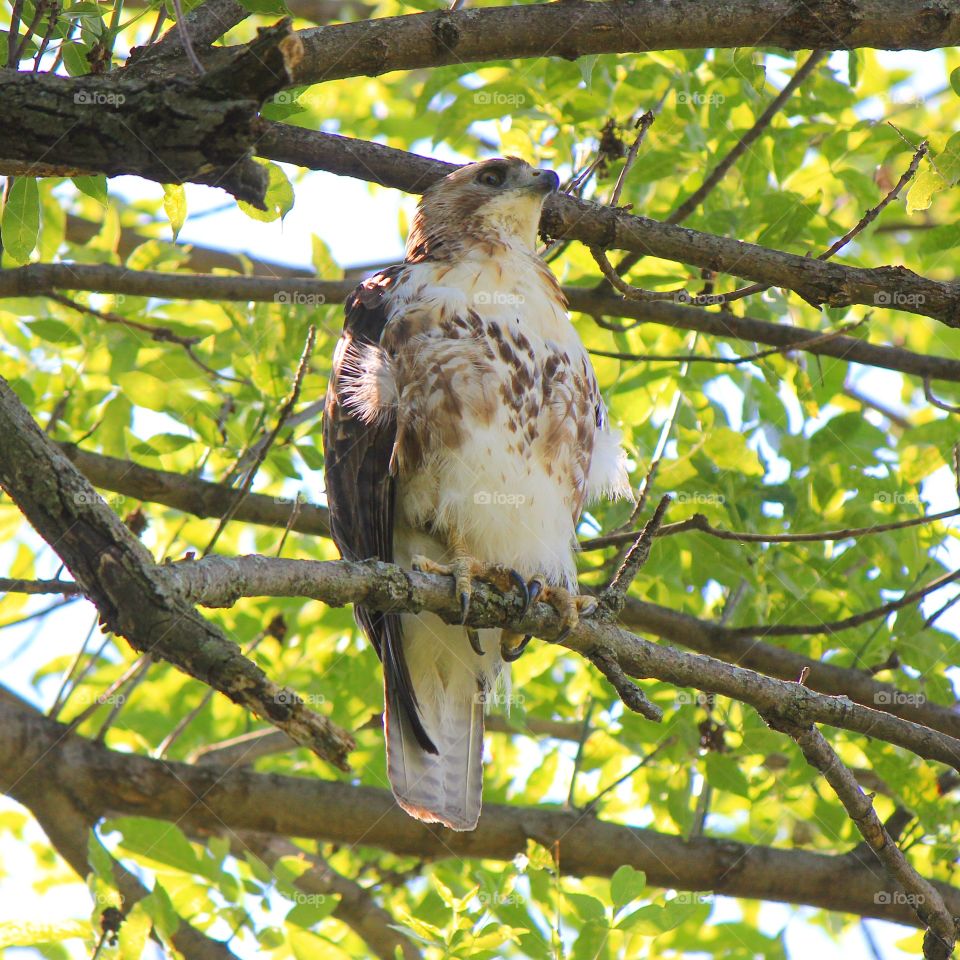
[(492, 177)]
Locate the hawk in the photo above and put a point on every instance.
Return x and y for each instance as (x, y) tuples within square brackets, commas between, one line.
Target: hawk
[(463, 434)]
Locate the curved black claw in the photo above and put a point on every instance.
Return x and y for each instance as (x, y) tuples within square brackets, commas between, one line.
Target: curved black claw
[(516, 653), (524, 589), (474, 639), (464, 605), (534, 588)]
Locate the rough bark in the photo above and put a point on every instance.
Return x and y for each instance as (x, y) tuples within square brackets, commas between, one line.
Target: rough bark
[(574, 29), (108, 783), (131, 593), (169, 129)]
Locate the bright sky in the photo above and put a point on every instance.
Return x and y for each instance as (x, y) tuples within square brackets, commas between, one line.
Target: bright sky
[(360, 224)]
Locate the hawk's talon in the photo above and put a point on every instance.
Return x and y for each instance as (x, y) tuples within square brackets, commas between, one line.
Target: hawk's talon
[(512, 654), (464, 605), (524, 589), (474, 637)]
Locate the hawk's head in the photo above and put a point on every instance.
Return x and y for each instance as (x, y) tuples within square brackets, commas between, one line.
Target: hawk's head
[(494, 202)]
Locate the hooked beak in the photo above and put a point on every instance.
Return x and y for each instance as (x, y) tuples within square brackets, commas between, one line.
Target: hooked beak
[(544, 181)]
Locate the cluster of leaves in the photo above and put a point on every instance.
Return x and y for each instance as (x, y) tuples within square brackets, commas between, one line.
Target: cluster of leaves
[(772, 446)]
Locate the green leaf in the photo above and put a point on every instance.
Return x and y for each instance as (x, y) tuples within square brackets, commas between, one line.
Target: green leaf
[(311, 909), (955, 80), (134, 930), (53, 331), (626, 885), (158, 841), (21, 219), (93, 186), (175, 206), (23, 933), (279, 197), (926, 184), (724, 774)]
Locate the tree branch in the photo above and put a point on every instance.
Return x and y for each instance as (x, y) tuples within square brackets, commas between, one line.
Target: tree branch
[(132, 593), (41, 278), (575, 29), (108, 783), (170, 130), (221, 581), (568, 217), (925, 899)]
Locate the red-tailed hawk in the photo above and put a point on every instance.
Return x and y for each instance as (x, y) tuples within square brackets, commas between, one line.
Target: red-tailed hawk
[(463, 433)]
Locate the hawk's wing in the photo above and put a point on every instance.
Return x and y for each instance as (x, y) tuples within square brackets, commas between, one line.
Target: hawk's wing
[(360, 488)]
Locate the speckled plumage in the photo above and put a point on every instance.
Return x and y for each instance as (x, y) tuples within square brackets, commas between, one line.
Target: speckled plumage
[(463, 415)]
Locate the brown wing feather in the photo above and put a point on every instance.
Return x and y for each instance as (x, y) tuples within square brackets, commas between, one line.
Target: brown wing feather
[(360, 489)]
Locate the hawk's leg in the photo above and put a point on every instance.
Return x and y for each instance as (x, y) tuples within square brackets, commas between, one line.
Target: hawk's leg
[(463, 569)]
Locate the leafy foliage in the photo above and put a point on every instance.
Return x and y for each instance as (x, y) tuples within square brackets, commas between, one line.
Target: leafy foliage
[(782, 444)]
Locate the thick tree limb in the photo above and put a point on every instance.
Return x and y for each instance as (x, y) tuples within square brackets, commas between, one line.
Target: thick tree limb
[(221, 581), (41, 278), (568, 217), (131, 592), (33, 749), (201, 498), (575, 29), (170, 130), (67, 825)]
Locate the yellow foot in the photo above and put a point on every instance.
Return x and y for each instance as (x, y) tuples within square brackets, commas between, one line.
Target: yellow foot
[(569, 606), (463, 570)]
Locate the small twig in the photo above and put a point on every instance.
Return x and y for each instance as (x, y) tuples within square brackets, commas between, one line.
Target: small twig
[(701, 524), (642, 125), (723, 167), (836, 626), (157, 334), (662, 745), (282, 417), (581, 745), (632, 696), (941, 932), (185, 39), (613, 598), (939, 404), (732, 361)]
